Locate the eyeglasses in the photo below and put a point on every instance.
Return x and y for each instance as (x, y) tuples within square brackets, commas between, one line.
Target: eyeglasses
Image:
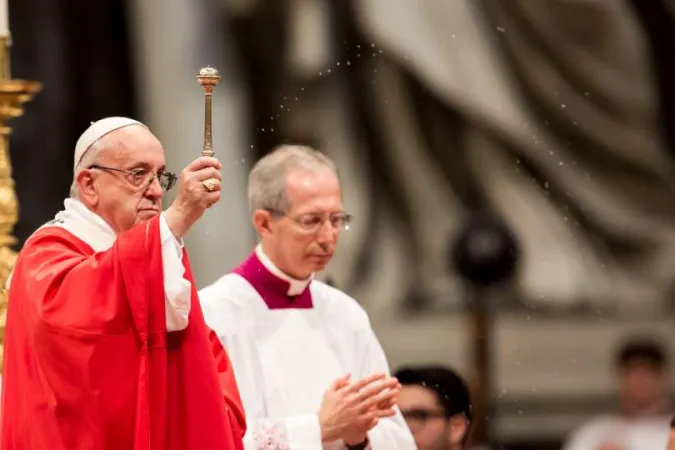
[(417, 418), (312, 222), (144, 177)]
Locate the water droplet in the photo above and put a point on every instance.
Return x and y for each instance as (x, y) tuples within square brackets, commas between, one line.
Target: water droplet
[(501, 29), (563, 106)]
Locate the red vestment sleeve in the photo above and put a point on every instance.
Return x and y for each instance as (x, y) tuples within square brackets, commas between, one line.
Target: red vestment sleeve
[(88, 361)]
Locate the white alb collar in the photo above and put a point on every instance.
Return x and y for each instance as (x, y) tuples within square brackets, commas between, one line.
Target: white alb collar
[(82, 223), (296, 287)]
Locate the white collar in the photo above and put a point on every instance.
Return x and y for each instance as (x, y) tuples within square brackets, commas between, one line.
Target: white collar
[(296, 286), (82, 223)]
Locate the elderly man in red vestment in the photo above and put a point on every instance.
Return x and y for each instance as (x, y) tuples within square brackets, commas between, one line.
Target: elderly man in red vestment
[(106, 346)]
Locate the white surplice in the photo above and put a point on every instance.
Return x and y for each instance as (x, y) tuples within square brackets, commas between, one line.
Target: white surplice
[(284, 359), (639, 433)]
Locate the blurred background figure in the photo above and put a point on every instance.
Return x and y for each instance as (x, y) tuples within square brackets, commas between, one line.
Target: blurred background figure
[(645, 411), (435, 403)]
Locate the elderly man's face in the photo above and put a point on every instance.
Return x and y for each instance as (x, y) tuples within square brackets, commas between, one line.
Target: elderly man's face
[(313, 197), (121, 199)]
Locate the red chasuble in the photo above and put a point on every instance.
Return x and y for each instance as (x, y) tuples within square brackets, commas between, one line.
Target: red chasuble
[(89, 363)]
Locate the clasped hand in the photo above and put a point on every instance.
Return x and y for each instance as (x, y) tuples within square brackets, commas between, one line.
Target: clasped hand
[(350, 410)]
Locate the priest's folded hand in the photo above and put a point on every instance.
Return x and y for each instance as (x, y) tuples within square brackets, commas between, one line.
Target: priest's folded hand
[(199, 189), (350, 410)]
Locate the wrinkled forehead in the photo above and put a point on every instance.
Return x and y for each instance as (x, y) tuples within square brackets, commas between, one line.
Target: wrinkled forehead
[(133, 145)]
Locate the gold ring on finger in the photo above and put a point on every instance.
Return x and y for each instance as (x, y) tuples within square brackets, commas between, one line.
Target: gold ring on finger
[(210, 184)]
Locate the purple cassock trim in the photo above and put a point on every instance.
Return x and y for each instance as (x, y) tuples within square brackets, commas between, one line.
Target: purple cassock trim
[(272, 289)]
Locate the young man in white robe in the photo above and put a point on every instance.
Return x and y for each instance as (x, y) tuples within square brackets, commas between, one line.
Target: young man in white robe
[(310, 370), (645, 411)]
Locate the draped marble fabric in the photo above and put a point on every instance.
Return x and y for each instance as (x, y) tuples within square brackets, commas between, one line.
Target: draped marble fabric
[(546, 112)]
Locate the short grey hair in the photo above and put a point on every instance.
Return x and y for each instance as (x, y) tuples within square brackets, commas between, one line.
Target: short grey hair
[(88, 158), (267, 180)]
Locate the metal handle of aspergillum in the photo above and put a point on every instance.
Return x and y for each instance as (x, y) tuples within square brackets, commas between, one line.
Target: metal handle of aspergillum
[(208, 78)]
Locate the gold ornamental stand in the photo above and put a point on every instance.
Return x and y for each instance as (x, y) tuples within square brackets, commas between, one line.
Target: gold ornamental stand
[(13, 95)]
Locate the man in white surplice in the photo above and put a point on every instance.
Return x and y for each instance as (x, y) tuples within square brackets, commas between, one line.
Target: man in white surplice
[(310, 370)]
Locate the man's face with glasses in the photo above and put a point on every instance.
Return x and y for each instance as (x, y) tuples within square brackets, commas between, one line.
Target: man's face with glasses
[(426, 419), (126, 183), (302, 239)]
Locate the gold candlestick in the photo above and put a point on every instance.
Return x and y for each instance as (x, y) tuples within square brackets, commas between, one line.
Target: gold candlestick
[(13, 94), (208, 77)]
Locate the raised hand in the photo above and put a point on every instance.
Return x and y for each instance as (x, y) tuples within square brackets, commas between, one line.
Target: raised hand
[(199, 188)]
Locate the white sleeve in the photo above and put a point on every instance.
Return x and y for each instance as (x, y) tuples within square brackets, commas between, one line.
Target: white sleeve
[(263, 432), (589, 436), (176, 288), (294, 432), (391, 433)]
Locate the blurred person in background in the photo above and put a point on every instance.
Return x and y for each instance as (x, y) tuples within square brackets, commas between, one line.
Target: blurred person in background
[(436, 404), (311, 371), (645, 409)]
